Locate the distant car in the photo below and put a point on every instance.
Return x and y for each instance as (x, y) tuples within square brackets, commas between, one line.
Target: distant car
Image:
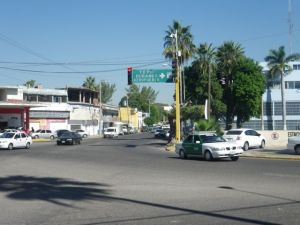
[(58, 133), (69, 138), (247, 138), (111, 132), (160, 133), (43, 133), (11, 140), (209, 147), (294, 144), (82, 133)]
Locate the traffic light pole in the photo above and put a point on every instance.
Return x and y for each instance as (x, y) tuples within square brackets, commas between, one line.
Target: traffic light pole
[(177, 92)]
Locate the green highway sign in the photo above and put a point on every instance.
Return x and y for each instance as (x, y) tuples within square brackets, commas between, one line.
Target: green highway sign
[(152, 76)]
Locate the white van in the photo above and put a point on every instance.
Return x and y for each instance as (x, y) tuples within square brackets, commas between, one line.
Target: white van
[(111, 132)]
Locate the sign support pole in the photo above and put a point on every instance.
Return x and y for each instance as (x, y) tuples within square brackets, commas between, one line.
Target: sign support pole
[(177, 92)]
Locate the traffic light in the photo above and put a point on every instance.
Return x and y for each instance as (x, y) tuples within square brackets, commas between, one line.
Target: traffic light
[(174, 68), (129, 72)]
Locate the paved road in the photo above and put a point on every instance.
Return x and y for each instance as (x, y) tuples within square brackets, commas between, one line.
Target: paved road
[(132, 180)]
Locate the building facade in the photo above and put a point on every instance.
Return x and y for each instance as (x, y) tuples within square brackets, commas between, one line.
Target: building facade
[(271, 117), (67, 108)]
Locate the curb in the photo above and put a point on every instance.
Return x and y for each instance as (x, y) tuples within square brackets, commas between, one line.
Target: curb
[(171, 148)]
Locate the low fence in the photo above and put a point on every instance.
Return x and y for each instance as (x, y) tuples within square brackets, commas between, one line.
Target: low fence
[(278, 138)]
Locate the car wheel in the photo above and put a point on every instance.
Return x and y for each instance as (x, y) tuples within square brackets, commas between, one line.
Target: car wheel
[(10, 146), (72, 143), (58, 143), (27, 145), (84, 136), (297, 149), (208, 156), (36, 136), (246, 146), (182, 154), (263, 144), (234, 158), (79, 142), (51, 137)]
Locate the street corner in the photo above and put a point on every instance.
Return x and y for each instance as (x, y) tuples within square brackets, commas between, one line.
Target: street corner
[(170, 148)]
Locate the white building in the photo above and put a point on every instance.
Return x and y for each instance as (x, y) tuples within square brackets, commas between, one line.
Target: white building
[(272, 104)]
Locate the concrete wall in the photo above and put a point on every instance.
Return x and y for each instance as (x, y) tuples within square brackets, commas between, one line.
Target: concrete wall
[(278, 138)]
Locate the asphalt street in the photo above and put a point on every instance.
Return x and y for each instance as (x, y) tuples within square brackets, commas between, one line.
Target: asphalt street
[(133, 180)]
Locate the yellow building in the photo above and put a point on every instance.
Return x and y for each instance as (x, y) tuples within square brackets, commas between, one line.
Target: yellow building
[(129, 116)]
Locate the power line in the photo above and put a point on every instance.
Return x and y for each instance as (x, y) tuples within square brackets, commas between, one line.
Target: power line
[(75, 72)]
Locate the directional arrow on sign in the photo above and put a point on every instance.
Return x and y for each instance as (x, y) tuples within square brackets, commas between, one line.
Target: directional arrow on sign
[(162, 76)]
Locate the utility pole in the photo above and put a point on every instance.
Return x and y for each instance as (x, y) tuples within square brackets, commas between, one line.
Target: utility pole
[(177, 89), (100, 109)]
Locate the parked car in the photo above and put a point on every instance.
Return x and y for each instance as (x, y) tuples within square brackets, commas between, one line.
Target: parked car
[(208, 146), (58, 133), (247, 138), (294, 144), (160, 133), (11, 140), (111, 132), (9, 130), (43, 134), (69, 138), (82, 133)]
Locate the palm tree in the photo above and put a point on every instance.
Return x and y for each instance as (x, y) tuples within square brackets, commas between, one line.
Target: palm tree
[(184, 39), (30, 83), (90, 83), (185, 45), (278, 65), (206, 56), (228, 56)]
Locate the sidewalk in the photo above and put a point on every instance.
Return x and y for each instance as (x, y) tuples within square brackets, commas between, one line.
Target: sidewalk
[(270, 152), (273, 152)]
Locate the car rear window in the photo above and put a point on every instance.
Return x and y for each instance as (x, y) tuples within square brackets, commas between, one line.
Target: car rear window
[(234, 132)]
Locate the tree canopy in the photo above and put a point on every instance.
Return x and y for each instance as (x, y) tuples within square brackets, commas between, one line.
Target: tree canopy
[(139, 98)]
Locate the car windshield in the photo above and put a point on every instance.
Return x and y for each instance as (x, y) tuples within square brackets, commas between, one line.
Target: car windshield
[(38, 131), (213, 139), (234, 132), (110, 130), (7, 135), (66, 134)]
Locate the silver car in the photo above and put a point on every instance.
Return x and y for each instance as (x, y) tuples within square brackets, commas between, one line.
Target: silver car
[(43, 133)]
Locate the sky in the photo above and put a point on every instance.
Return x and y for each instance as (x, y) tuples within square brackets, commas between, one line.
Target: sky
[(59, 43)]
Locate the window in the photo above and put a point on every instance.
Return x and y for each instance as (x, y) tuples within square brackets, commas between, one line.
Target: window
[(23, 135), (297, 84), (290, 85), (31, 98), (296, 67), (196, 138), (45, 98), (189, 139)]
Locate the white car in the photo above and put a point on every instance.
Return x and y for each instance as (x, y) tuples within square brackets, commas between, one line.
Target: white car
[(294, 144), (111, 132), (82, 133), (209, 147), (247, 138), (11, 140)]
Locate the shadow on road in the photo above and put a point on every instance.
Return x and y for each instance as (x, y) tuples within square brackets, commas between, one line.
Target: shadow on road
[(54, 190), (58, 190)]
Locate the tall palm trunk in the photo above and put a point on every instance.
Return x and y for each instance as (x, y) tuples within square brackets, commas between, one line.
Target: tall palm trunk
[(283, 101)]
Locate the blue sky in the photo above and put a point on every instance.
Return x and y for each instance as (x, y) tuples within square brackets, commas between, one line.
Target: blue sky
[(124, 32)]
